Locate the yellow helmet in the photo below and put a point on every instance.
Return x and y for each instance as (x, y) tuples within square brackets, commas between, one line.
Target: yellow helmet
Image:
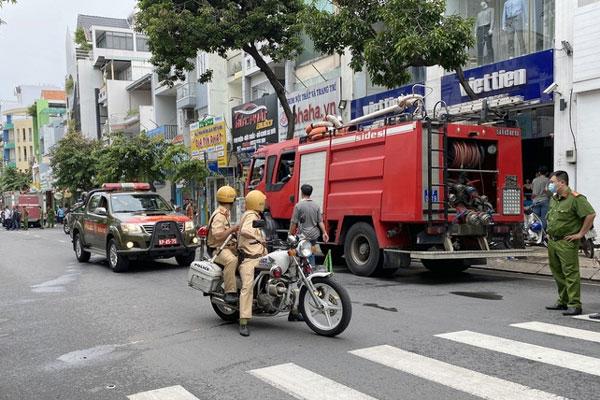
[(255, 200), (226, 194)]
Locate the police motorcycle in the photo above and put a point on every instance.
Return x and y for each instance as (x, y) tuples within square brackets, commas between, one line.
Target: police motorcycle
[(285, 281), (534, 233)]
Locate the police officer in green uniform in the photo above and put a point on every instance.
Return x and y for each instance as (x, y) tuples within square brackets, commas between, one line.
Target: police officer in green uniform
[(570, 217)]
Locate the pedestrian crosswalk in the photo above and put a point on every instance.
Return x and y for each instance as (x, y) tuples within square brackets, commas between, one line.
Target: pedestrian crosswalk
[(302, 383)]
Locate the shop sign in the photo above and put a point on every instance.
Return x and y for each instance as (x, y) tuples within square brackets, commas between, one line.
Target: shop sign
[(209, 139), (255, 123), (312, 104), (526, 76), (375, 102)]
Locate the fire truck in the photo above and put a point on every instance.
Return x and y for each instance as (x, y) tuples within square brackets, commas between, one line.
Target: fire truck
[(403, 187)]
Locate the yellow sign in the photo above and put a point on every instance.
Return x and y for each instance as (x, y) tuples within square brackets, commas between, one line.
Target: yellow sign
[(210, 139)]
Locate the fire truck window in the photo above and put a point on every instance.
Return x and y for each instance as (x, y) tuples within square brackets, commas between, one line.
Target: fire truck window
[(285, 170), (270, 170), (258, 171)]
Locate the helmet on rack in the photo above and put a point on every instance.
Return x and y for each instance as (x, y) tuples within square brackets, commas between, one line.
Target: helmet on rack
[(226, 194), (255, 200)]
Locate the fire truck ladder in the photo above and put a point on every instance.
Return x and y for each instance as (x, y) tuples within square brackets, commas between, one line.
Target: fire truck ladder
[(437, 143)]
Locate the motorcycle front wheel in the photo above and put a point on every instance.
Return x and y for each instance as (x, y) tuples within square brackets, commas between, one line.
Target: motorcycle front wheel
[(332, 320), (225, 312)]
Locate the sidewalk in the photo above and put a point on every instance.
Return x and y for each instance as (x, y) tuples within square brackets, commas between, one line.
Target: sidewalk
[(538, 264)]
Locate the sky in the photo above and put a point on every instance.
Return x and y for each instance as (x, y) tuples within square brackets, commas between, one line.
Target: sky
[(32, 42)]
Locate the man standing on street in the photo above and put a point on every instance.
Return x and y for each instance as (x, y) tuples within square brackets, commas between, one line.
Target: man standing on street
[(308, 219), (51, 217), (25, 218), (570, 217), (540, 195)]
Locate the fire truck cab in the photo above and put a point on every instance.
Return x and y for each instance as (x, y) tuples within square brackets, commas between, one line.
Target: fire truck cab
[(446, 193)]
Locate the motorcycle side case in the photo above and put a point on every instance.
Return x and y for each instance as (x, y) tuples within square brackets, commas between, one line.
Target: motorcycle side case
[(205, 276)]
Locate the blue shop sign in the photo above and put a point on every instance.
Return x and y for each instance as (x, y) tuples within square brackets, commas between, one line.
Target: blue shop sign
[(525, 76), (376, 102)]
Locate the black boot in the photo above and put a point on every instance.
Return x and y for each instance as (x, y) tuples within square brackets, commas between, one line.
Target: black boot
[(292, 317), (230, 298), (244, 330), (571, 311)]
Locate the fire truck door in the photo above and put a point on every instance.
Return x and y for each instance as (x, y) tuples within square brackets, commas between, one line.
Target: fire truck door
[(313, 169), (280, 186)]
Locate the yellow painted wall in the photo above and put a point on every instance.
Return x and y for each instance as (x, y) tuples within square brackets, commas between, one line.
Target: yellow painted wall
[(23, 146)]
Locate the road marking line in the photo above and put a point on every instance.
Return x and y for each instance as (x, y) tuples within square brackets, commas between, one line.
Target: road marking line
[(586, 317), (559, 358), (560, 330), (306, 385), (462, 379), (167, 393)]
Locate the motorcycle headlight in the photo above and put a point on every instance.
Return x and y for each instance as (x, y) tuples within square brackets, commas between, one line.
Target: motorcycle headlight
[(131, 228), (189, 226), (304, 248)]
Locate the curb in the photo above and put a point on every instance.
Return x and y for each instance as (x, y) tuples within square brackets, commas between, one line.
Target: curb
[(589, 271)]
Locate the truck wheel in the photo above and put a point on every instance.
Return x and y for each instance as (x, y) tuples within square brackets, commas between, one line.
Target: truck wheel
[(116, 262), (185, 260), (446, 267), (361, 250), (80, 253)]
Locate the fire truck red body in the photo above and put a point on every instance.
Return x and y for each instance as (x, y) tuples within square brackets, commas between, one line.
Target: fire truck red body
[(389, 194)]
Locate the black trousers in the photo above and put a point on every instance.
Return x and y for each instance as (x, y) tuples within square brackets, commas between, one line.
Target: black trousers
[(484, 39)]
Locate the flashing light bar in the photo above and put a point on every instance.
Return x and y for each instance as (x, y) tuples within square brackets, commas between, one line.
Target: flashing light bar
[(126, 186)]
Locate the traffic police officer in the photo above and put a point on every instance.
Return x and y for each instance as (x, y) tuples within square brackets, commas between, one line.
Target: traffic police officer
[(570, 217), (252, 246), (219, 228)]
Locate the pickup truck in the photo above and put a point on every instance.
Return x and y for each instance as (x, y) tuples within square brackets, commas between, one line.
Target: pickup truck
[(127, 221)]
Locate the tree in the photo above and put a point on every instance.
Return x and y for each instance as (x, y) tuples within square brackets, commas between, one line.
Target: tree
[(389, 37), (179, 166), (177, 29), (131, 159), (11, 179), (1, 4), (81, 40), (73, 162)]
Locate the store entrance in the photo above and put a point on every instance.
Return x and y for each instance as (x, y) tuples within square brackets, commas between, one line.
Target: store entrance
[(536, 153)]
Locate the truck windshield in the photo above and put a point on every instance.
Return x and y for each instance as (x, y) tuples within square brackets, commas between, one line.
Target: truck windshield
[(131, 203)]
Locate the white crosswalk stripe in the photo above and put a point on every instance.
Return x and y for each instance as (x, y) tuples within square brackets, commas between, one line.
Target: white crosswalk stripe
[(462, 379), (560, 330), (167, 393), (586, 317), (559, 358), (307, 385)]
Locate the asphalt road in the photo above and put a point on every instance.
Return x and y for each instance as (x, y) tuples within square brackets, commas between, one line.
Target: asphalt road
[(80, 331)]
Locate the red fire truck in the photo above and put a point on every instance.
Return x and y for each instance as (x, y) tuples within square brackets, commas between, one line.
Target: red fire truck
[(446, 193)]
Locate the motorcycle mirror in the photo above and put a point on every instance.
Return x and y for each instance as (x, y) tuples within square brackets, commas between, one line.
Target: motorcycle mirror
[(292, 240), (259, 224)]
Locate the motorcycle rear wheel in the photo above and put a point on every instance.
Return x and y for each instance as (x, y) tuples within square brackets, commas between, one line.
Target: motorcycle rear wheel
[(330, 322), (226, 313)]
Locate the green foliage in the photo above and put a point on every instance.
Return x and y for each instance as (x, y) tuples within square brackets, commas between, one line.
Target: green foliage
[(69, 85), (389, 37), (177, 29), (180, 167), (32, 110), (81, 40), (73, 162), (11, 179), (131, 159)]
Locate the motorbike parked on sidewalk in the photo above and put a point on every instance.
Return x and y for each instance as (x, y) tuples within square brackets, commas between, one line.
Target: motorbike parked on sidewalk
[(284, 281)]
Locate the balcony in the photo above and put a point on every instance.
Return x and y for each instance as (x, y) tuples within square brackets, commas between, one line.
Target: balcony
[(81, 54), (168, 132), (186, 95), (234, 67)]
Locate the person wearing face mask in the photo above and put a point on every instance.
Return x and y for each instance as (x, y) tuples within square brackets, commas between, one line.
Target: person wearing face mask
[(570, 217)]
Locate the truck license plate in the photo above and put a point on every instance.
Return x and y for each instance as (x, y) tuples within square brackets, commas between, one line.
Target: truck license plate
[(167, 242)]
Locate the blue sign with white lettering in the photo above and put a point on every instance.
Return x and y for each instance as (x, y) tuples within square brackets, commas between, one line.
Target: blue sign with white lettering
[(378, 101), (525, 76)]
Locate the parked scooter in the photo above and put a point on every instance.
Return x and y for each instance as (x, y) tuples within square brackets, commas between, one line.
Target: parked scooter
[(285, 281)]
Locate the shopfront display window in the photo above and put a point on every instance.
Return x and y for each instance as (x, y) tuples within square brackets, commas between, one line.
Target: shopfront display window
[(505, 29)]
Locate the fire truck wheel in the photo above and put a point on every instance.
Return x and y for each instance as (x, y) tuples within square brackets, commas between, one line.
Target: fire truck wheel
[(446, 266), (361, 250)]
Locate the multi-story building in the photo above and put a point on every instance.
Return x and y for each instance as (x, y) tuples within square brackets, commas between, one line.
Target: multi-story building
[(23, 138), (109, 78)]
